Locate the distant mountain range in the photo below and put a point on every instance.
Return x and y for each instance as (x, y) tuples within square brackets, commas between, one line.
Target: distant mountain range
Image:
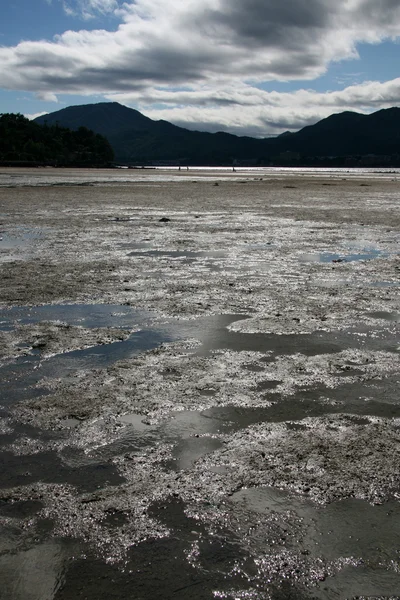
[(344, 139)]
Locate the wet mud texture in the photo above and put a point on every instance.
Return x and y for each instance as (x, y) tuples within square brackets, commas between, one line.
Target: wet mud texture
[(199, 386)]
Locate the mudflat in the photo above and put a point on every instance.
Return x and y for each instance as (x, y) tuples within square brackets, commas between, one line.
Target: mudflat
[(199, 384)]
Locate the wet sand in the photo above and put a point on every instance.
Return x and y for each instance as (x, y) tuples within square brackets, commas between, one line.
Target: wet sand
[(199, 384)]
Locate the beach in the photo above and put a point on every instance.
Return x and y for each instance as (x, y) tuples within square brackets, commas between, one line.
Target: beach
[(199, 383)]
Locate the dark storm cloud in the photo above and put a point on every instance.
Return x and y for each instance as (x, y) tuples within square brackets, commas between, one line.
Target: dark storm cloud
[(214, 49), (270, 23)]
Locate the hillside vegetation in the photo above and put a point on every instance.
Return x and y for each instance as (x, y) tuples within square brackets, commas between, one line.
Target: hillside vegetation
[(26, 142)]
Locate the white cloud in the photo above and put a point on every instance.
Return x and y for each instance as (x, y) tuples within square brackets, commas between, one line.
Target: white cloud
[(88, 9), (246, 110), (46, 96), (219, 50), (31, 117)]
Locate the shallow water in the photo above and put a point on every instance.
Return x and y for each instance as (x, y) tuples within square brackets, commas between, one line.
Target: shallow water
[(111, 503), (351, 530), (187, 255), (331, 257), (27, 371), (17, 243), (49, 176), (212, 332), (84, 315)]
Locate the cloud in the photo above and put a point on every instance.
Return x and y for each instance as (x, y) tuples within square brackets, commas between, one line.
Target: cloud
[(246, 110), (88, 9), (210, 49), (31, 117), (46, 96)]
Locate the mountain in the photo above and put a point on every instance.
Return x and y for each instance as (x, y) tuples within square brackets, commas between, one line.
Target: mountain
[(348, 134), (136, 138), (339, 139), (106, 118)]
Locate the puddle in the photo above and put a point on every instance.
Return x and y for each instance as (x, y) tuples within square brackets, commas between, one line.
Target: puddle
[(19, 242), (20, 509), (30, 370), (363, 583), (34, 574), (319, 342), (268, 384), (330, 257), (26, 371), (136, 421), (196, 433), (193, 433), (203, 259), (48, 467), (71, 422), (187, 255), (212, 333), (347, 528), (84, 315), (207, 392), (386, 316), (385, 284), (187, 451), (20, 237)]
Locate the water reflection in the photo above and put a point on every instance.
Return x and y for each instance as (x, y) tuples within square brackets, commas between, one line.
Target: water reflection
[(34, 574), (349, 529), (331, 257), (212, 332), (185, 254), (84, 315)]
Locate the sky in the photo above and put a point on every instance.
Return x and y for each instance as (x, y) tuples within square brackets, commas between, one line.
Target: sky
[(248, 67)]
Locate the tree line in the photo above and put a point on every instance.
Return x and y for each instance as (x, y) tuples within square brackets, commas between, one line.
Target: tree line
[(25, 142)]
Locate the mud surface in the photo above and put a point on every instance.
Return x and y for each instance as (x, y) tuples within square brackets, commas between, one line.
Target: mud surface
[(199, 385)]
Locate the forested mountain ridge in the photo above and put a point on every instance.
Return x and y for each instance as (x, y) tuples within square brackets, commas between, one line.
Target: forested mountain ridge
[(25, 141), (136, 138), (343, 139)]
